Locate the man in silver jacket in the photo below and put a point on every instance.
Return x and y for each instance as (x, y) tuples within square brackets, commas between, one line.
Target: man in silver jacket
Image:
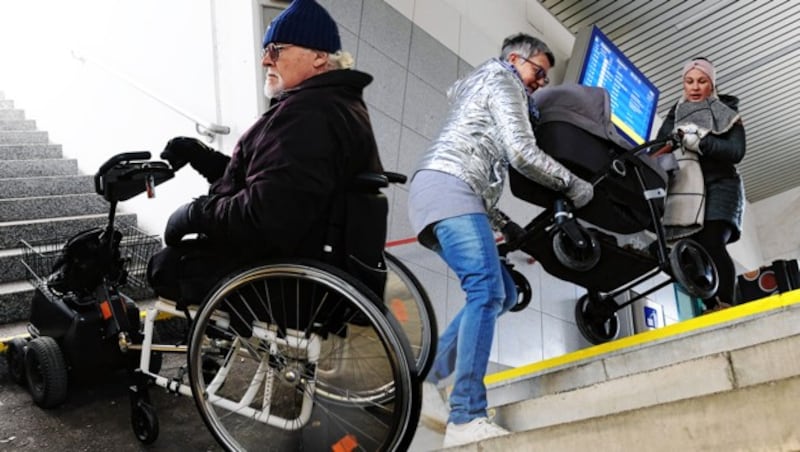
[(452, 200)]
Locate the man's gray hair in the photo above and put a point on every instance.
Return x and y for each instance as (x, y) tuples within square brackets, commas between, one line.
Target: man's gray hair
[(526, 46), (341, 60)]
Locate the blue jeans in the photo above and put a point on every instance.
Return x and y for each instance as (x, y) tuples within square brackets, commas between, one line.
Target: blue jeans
[(467, 245)]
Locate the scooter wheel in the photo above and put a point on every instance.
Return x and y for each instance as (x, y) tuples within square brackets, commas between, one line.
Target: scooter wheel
[(593, 318), (144, 422), (46, 372)]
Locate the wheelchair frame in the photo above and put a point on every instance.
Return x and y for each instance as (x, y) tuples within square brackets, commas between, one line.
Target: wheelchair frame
[(380, 414)]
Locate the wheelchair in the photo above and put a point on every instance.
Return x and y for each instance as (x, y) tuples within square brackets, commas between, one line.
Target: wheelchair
[(293, 354)]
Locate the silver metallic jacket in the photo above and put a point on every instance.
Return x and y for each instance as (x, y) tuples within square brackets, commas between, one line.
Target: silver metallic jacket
[(487, 129)]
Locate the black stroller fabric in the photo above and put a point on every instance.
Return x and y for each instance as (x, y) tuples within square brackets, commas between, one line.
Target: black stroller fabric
[(618, 204)]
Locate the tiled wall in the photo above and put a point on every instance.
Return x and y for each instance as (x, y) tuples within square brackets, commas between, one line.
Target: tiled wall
[(407, 104)]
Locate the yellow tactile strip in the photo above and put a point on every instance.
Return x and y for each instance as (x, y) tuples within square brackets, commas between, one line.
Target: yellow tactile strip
[(723, 316)]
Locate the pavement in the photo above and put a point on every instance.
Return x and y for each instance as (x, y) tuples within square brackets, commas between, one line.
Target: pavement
[(96, 417)]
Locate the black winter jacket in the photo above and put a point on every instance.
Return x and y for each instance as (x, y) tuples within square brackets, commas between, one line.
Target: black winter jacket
[(275, 195)]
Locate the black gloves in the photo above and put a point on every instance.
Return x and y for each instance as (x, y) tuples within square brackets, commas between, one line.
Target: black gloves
[(182, 150), (512, 232), (185, 220)]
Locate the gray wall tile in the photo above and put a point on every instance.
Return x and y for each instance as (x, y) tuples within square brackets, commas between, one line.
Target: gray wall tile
[(387, 134), (386, 29), (464, 68), (412, 147), (387, 91), (431, 61), (424, 109), (346, 13), (349, 42)]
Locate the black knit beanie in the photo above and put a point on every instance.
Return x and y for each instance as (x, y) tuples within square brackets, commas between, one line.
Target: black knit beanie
[(307, 24)]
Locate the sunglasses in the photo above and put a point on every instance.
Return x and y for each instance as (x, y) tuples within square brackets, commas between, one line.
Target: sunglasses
[(273, 51), (540, 74)]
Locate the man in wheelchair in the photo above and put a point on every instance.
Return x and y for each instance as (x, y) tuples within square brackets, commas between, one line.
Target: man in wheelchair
[(289, 174)]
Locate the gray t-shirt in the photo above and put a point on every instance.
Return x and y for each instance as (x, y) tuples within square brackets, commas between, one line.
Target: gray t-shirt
[(434, 196)]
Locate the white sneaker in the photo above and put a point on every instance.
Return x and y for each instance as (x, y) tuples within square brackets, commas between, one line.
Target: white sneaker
[(435, 409), (473, 431)]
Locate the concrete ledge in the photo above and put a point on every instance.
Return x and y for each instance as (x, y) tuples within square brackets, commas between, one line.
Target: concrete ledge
[(756, 418), (754, 323)]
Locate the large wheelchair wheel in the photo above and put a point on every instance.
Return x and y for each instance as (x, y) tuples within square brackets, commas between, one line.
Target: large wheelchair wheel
[(407, 300), (273, 332), (693, 269)]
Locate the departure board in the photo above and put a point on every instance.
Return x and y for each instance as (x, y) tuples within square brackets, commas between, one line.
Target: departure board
[(633, 97)]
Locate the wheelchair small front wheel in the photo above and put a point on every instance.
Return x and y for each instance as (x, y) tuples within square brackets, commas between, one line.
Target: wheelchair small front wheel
[(144, 422)]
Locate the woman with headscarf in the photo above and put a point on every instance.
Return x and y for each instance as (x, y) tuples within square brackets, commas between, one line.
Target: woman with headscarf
[(713, 143)]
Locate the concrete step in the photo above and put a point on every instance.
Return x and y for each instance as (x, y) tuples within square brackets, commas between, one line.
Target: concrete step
[(23, 137), (45, 186), (21, 209), (30, 151), (11, 268), (12, 114), (17, 124), (38, 167), (723, 381), (55, 229), (6, 104)]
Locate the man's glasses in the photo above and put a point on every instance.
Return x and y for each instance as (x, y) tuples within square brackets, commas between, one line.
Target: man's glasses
[(541, 74), (273, 51)]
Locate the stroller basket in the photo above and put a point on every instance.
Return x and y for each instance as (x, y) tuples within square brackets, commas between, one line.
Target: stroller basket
[(135, 248)]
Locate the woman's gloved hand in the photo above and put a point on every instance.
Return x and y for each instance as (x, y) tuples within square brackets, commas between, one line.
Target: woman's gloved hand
[(579, 192)]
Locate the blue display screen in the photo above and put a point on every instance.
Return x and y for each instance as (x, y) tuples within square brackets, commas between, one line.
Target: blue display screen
[(633, 98)]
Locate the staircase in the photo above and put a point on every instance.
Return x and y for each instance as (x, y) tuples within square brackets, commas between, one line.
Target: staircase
[(43, 198), (727, 381)]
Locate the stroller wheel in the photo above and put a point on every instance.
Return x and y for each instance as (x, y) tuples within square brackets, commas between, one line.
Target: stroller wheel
[(15, 356), (693, 269), (524, 291), (46, 372), (573, 255), (144, 422), (596, 317)]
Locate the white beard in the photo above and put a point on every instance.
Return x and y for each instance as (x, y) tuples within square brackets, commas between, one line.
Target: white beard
[(273, 91)]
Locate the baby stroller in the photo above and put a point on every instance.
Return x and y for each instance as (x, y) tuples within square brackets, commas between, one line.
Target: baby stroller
[(630, 190)]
